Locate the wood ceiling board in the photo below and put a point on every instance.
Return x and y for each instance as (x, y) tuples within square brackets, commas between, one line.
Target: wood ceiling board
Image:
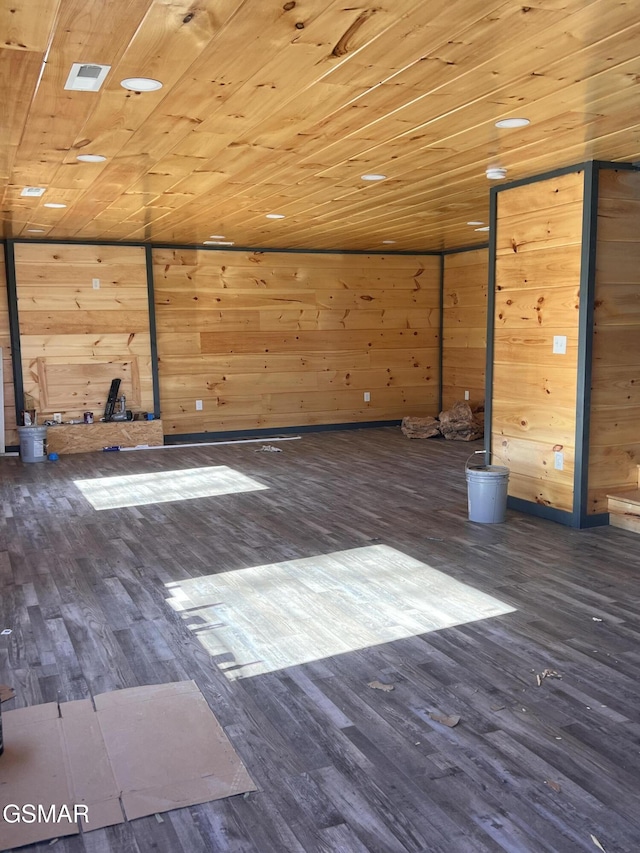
[(26, 25), (304, 143)]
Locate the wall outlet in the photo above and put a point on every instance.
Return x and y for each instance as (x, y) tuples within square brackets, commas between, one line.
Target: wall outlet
[(558, 460), (96, 283), (198, 405), (367, 396), (57, 417), (560, 344), (466, 395)]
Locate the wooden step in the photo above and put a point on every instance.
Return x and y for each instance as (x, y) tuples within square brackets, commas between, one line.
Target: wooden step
[(624, 510)]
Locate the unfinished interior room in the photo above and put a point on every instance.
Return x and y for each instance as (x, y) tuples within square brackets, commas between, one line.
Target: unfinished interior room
[(320, 428)]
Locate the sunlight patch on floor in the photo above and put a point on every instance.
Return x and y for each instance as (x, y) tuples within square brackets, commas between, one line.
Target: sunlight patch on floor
[(164, 486), (270, 617)]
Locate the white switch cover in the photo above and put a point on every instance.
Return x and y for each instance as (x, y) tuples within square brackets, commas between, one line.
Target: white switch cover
[(96, 283), (466, 395), (560, 344), (198, 405), (367, 396), (558, 460)]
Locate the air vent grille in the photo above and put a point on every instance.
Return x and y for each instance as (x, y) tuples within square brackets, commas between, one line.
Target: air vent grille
[(86, 77)]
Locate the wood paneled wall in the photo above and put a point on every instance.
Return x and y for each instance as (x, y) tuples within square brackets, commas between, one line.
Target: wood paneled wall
[(464, 326), (288, 339), (10, 431), (75, 339), (614, 446), (538, 254)]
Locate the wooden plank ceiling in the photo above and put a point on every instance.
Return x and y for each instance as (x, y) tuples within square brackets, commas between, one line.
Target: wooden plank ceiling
[(270, 106)]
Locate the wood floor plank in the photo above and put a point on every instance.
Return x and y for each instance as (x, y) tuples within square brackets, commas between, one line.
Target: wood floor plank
[(355, 564)]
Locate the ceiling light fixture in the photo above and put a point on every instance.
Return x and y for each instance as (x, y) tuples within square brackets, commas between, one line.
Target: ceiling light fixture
[(216, 237), (496, 173), (486, 228), (91, 158), (373, 177), (53, 204), (141, 84), (512, 122), (35, 230), (388, 241), (275, 216), (218, 243), (32, 192), (86, 77), (475, 222)]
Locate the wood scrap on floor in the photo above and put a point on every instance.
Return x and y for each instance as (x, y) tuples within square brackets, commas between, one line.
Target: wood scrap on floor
[(6, 693), (449, 720), (547, 673), (378, 685)]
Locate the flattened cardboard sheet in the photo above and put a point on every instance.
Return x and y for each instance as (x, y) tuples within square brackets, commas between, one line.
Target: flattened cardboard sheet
[(142, 750)]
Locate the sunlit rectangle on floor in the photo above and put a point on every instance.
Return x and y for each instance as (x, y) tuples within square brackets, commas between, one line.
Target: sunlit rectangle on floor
[(266, 618), (163, 486)]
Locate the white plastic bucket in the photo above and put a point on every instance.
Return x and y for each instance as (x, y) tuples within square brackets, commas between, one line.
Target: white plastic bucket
[(487, 488), (33, 443)]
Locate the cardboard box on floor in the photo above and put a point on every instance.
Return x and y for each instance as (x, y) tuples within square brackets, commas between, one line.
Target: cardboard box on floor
[(142, 750)]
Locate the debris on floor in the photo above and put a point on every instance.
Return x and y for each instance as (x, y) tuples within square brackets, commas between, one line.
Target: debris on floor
[(378, 685), (597, 843), (459, 423), (596, 619), (450, 720), (553, 785), (6, 632), (267, 448), (420, 427), (6, 692), (547, 673)]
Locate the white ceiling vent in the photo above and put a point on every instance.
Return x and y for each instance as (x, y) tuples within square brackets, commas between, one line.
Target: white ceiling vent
[(86, 77), (33, 192)]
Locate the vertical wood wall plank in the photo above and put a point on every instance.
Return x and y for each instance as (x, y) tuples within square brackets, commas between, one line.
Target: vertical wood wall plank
[(614, 448), (538, 261)]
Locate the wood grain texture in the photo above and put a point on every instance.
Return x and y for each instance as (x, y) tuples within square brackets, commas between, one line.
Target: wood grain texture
[(10, 431), (615, 400), (84, 438), (465, 316), (326, 94), (93, 598), (534, 390), (75, 339), (277, 339)]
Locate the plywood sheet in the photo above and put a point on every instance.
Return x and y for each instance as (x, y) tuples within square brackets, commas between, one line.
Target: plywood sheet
[(83, 438)]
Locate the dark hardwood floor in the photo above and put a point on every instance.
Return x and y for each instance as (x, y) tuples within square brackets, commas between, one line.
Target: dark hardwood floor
[(356, 563)]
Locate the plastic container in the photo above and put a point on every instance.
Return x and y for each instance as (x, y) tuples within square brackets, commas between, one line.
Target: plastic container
[(487, 487), (33, 443)]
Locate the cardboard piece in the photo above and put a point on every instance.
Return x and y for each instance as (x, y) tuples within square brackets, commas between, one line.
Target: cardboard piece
[(6, 692), (142, 750)]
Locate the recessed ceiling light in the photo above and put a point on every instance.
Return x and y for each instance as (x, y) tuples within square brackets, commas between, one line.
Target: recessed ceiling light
[(388, 241), (141, 84), (275, 216), (475, 222), (496, 173), (218, 243), (486, 228), (373, 177), (35, 230), (512, 122), (91, 158), (217, 237), (53, 204), (33, 192)]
